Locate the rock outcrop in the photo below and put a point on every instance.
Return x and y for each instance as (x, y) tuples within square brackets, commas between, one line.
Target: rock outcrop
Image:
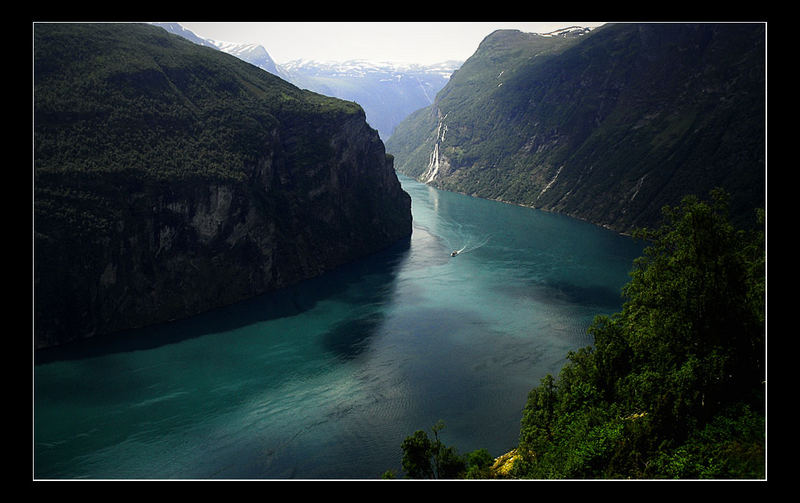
[(187, 180)]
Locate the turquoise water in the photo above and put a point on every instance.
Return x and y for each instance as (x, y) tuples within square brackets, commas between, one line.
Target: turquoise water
[(326, 379)]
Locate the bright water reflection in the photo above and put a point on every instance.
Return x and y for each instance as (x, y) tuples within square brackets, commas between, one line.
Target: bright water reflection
[(325, 379)]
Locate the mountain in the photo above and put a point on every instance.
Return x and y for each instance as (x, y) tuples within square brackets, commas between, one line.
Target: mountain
[(172, 178), (177, 29), (388, 92), (607, 125), (252, 53)]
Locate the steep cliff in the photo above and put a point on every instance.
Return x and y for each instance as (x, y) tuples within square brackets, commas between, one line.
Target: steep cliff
[(170, 179), (607, 126)]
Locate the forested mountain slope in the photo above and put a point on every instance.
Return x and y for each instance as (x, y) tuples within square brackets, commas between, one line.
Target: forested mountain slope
[(171, 178), (607, 126), (388, 92)]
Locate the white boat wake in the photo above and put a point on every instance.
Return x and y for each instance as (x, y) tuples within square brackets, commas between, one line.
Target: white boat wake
[(469, 241)]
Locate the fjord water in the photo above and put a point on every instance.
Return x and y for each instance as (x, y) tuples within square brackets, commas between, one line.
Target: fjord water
[(325, 379)]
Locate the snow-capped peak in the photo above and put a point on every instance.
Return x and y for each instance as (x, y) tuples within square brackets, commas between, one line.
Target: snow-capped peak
[(361, 67), (568, 31), (243, 51)]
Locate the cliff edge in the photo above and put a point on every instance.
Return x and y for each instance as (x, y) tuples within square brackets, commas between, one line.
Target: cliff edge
[(171, 179)]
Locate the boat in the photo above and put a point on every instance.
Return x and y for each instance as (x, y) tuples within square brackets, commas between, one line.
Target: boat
[(455, 252)]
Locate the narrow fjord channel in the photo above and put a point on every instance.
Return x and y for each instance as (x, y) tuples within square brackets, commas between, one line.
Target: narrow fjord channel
[(325, 379)]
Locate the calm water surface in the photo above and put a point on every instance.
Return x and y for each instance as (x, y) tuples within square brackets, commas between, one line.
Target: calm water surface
[(326, 379)]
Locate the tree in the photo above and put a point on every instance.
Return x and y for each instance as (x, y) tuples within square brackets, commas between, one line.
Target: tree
[(479, 464), (424, 458), (694, 315), (417, 454), (673, 383)]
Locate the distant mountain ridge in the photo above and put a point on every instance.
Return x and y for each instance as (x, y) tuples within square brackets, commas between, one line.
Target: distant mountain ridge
[(361, 68), (387, 91), (607, 126), (252, 53), (177, 29)]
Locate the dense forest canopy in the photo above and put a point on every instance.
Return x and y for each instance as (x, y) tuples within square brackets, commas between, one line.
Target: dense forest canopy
[(128, 104)]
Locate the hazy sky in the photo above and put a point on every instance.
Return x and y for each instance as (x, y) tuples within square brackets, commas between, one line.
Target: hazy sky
[(410, 42)]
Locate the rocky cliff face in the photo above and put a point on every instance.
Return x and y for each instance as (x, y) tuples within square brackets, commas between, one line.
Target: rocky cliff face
[(117, 247)]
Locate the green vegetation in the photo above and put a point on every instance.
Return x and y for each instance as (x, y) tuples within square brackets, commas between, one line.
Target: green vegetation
[(673, 386), (111, 97), (426, 458), (170, 178), (130, 105), (474, 105), (631, 117), (615, 127)]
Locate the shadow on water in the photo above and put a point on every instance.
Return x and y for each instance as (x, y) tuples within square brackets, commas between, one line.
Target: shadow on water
[(349, 338), (591, 295), (555, 291), (379, 270)]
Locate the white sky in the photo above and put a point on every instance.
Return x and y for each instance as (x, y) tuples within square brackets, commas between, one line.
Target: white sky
[(408, 42)]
